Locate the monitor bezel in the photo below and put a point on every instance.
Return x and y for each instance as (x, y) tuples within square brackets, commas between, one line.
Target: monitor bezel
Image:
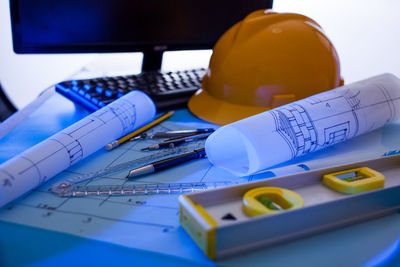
[(22, 48), (152, 51)]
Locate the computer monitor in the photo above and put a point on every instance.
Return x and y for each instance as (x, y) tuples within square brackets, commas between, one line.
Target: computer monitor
[(148, 26)]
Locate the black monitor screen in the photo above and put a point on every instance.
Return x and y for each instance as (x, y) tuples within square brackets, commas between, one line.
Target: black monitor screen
[(54, 26)]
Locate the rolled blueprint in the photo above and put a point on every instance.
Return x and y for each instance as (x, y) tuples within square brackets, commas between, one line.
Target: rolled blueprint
[(64, 149), (275, 136)]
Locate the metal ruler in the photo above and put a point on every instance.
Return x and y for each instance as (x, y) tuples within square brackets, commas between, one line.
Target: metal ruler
[(71, 190), (244, 217), (70, 187)]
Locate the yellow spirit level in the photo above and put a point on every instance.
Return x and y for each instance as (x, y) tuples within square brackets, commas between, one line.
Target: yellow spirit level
[(238, 218)]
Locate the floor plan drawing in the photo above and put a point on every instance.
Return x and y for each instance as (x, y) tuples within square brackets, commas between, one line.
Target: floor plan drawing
[(335, 116), (305, 126), (150, 222), (71, 145)]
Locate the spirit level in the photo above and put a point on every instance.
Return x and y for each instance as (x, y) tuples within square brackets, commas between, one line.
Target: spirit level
[(222, 221)]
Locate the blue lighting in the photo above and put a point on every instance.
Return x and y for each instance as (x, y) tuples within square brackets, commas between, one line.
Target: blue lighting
[(386, 256), (99, 90), (108, 93)]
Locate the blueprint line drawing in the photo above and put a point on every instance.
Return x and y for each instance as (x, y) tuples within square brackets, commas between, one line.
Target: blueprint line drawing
[(143, 222), (306, 122), (149, 223), (68, 147), (305, 126)]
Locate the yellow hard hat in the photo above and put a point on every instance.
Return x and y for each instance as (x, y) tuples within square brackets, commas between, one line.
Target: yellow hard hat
[(264, 61)]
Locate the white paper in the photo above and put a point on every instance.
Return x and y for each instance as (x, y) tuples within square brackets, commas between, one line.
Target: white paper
[(269, 138), (64, 149), (150, 223)]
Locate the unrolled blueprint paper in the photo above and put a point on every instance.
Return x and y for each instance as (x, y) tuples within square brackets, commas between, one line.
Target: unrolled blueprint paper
[(62, 150), (266, 139)]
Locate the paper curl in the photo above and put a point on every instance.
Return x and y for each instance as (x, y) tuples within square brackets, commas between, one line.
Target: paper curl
[(319, 121)]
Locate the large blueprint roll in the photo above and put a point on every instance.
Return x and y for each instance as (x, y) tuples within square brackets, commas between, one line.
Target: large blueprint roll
[(269, 138), (62, 150)]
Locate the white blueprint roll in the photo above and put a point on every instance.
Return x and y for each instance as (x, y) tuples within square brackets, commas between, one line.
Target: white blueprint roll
[(272, 137), (62, 150)]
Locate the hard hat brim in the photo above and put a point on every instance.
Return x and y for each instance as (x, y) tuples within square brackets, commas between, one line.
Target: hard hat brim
[(211, 109)]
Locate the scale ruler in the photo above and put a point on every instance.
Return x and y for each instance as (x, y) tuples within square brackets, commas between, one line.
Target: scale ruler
[(71, 190), (70, 187)]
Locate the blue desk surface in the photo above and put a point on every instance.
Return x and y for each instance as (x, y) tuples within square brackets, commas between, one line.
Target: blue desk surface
[(373, 243)]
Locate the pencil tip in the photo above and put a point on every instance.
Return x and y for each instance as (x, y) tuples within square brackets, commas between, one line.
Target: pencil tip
[(141, 171), (129, 174)]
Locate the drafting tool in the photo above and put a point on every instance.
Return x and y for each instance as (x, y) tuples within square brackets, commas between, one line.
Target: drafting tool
[(177, 141), (72, 190), (59, 187), (222, 221), (127, 137), (176, 134), (167, 163)]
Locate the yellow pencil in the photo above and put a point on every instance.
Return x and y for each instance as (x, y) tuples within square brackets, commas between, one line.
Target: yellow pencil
[(138, 131)]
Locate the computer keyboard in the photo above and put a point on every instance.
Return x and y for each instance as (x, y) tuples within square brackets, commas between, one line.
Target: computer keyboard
[(168, 90)]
